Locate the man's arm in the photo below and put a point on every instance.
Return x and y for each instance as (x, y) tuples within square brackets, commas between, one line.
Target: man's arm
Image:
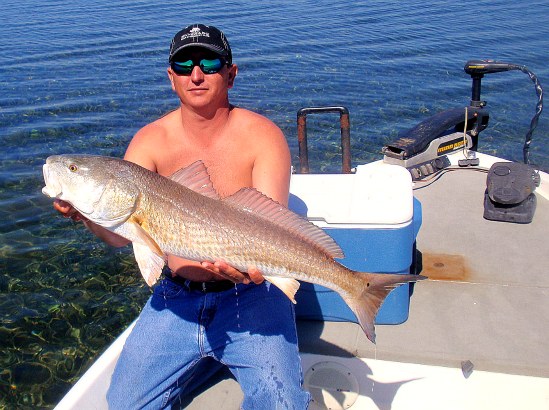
[(272, 167)]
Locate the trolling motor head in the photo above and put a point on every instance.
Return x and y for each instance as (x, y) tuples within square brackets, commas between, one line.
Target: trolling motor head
[(481, 67), (477, 69)]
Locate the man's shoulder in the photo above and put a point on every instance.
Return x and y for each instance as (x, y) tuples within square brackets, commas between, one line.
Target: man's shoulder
[(243, 114), (149, 143), (154, 131), (261, 137), (255, 124)]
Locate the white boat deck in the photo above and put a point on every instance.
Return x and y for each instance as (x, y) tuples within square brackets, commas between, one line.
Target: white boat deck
[(488, 297), (487, 300)]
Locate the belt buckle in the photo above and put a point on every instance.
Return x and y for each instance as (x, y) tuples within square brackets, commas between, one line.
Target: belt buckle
[(204, 287)]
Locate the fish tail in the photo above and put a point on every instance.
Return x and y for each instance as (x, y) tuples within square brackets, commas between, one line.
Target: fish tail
[(368, 299)]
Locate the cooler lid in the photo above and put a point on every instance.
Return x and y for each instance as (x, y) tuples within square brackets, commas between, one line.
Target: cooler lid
[(377, 194)]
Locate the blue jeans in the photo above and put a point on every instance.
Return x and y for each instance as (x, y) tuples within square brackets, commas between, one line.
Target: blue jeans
[(249, 328)]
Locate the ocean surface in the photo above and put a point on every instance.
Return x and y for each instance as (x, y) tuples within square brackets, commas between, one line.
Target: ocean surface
[(84, 76)]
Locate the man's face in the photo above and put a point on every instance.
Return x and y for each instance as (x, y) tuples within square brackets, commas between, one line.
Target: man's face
[(198, 88)]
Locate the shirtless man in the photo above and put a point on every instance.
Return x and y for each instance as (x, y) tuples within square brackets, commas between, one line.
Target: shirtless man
[(197, 311)]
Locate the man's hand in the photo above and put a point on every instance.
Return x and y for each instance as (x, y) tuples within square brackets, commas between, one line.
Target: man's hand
[(67, 210), (228, 272)]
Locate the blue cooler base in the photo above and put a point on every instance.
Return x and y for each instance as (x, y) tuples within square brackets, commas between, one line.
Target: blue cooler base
[(366, 250)]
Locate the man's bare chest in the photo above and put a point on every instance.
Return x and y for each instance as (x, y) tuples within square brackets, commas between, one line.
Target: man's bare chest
[(229, 169)]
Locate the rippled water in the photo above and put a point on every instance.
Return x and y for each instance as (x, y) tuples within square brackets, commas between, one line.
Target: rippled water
[(84, 76)]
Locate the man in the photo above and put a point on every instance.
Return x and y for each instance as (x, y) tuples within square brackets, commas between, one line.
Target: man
[(197, 311)]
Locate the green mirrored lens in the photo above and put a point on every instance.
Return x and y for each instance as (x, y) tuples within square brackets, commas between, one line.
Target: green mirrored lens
[(183, 67), (211, 66)]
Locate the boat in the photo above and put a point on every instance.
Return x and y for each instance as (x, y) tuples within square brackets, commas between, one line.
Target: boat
[(472, 336)]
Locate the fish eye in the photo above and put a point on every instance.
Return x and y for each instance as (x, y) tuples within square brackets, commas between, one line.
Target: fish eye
[(73, 167)]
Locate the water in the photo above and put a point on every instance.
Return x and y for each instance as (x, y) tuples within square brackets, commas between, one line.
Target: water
[(84, 76)]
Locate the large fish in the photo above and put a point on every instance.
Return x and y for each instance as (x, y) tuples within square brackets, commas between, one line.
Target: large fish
[(184, 216)]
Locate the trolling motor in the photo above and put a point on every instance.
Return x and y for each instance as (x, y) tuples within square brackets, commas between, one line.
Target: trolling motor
[(423, 149)]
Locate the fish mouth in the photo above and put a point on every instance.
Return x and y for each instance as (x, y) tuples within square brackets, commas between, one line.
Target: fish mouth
[(52, 189)]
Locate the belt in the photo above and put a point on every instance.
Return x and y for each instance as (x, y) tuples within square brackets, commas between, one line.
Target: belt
[(205, 287)]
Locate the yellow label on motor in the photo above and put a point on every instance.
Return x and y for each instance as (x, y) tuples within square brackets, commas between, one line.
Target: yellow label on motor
[(450, 146)]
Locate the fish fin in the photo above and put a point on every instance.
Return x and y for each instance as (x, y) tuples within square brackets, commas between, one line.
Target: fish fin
[(149, 262), (251, 200), (147, 252), (140, 232), (287, 285), (196, 178), (377, 286)]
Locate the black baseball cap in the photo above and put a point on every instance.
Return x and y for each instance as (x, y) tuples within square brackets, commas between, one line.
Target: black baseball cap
[(199, 35)]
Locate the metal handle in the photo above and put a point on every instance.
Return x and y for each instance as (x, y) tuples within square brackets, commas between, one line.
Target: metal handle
[(345, 136)]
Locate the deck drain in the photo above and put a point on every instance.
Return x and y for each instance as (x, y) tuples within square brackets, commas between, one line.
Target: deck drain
[(332, 385)]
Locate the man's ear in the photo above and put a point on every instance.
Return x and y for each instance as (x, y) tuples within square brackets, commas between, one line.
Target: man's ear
[(233, 71), (170, 76)]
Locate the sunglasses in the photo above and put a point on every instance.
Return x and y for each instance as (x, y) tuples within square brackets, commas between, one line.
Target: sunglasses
[(208, 66)]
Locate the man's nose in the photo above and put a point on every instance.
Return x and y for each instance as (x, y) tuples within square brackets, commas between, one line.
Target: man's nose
[(197, 75)]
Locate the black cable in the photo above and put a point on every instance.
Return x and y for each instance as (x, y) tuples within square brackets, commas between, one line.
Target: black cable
[(431, 179), (535, 118)]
